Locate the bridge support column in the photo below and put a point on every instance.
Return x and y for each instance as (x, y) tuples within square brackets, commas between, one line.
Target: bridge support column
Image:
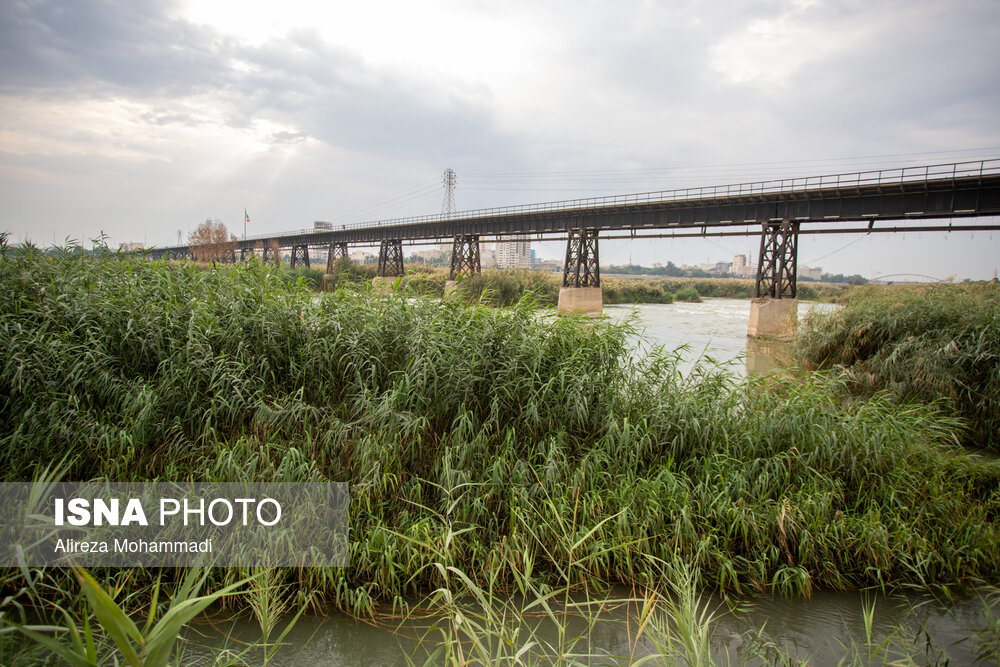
[(335, 252), (390, 264), (774, 308), (300, 255), (464, 260), (272, 253), (581, 283), (245, 254)]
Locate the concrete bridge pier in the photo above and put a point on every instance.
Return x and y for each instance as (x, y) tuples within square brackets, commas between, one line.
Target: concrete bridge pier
[(245, 254), (464, 260), (581, 283), (774, 308), (300, 255), (335, 252), (390, 264)]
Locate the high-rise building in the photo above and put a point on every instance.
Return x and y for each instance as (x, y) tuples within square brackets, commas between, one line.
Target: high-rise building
[(741, 268), (488, 256), (514, 253), (810, 272)]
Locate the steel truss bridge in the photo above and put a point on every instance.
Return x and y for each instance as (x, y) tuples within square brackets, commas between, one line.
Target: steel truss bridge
[(779, 211)]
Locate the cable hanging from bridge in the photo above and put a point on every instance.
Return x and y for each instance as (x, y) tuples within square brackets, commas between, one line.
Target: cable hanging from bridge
[(843, 247)]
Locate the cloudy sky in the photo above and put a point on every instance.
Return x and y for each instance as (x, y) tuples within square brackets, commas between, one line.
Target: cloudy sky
[(142, 118)]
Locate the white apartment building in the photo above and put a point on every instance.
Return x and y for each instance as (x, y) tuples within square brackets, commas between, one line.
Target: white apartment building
[(514, 252), (487, 255), (811, 272), (741, 268)]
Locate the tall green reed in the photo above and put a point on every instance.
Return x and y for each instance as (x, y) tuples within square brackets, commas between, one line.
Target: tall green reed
[(498, 432), (924, 344)]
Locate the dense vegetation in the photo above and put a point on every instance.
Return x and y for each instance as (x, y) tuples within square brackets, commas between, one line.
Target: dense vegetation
[(140, 370), (673, 271), (520, 450), (922, 343), (505, 287)]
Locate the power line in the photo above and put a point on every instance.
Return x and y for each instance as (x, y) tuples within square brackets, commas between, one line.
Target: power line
[(719, 245), (843, 247), (669, 178), (383, 202), (740, 164)]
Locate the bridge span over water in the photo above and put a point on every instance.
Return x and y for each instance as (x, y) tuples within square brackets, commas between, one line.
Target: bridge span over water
[(886, 200)]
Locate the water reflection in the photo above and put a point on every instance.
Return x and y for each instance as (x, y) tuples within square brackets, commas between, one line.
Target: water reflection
[(764, 357)]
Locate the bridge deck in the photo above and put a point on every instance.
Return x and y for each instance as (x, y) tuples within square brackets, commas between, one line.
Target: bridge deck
[(941, 191)]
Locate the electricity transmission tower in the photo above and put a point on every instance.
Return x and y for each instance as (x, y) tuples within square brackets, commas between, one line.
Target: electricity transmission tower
[(448, 205)]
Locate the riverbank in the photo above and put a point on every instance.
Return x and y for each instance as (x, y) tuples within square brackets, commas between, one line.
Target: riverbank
[(486, 449)]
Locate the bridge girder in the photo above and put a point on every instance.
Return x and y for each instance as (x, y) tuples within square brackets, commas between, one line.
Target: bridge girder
[(869, 197)]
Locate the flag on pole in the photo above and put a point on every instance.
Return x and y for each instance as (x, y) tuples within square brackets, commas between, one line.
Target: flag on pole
[(246, 218)]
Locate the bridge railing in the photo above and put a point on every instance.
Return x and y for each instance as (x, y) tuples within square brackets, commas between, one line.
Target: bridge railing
[(934, 172)]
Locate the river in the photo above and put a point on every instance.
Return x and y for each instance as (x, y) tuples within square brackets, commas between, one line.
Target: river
[(714, 328), (822, 629)]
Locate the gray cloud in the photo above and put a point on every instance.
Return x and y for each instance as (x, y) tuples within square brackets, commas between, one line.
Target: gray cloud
[(93, 45), (137, 49), (289, 137), (338, 98)]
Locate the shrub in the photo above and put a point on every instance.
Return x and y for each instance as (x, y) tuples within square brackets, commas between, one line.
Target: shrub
[(689, 294)]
